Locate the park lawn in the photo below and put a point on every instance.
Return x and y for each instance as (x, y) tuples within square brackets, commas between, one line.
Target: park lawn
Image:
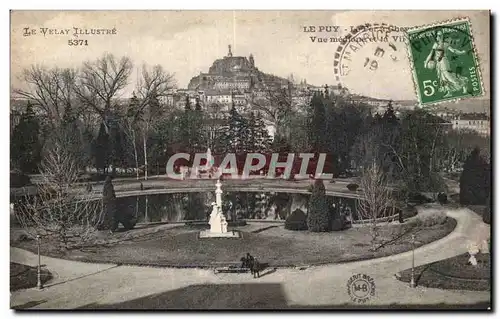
[(453, 273), (23, 277), (271, 244)]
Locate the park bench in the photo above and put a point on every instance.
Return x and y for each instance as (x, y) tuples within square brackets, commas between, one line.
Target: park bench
[(231, 268), (236, 267)]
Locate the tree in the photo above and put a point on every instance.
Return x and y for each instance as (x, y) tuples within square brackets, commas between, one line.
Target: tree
[(475, 180), (100, 149), (260, 134), (378, 140), (110, 211), (344, 123), (457, 146), (52, 91), (25, 145), (117, 153), (111, 215), (408, 151), (151, 115), (366, 149), (235, 133), (296, 221), (389, 116), (299, 136), (376, 200), (421, 137), (317, 214), (161, 140), (317, 126), (277, 105), (100, 82), (70, 127), (98, 85), (190, 127), (61, 210), (154, 84), (131, 128), (87, 140), (197, 132)]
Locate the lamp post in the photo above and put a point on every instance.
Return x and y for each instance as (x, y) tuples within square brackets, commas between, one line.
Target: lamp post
[(39, 284), (412, 281)]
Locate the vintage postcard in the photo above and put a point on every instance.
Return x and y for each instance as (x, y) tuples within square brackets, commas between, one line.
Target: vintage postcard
[(250, 160)]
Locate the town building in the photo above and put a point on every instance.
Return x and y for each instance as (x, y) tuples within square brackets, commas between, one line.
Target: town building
[(479, 122)]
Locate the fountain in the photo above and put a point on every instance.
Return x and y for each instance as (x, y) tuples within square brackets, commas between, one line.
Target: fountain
[(218, 222)]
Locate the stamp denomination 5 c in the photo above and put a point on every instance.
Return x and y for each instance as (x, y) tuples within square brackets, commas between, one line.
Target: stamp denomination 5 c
[(444, 62)]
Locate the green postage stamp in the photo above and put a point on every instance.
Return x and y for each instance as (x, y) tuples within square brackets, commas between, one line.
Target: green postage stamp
[(444, 62)]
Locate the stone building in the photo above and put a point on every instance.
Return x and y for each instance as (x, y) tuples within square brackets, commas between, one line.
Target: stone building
[(479, 122)]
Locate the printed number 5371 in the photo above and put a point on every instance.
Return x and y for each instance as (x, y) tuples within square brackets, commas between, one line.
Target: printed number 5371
[(429, 86), (77, 42)]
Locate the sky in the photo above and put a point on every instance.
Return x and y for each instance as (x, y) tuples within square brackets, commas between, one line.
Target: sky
[(187, 42)]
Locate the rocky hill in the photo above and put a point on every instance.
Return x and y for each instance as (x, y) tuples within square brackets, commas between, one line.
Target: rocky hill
[(235, 72)]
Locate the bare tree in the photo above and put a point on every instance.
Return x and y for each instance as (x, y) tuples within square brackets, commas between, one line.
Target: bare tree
[(277, 105), (61, 210), (366, 150), (130, 129), (100, 82), (154, 84), (376, 199), (52, 91)]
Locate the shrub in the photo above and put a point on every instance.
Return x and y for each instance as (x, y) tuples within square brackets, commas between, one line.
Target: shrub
[(418, 199), (127, 222), (125, 214), (352, 187), (296, 221), (337, 224), (318, 212), (112, 216), (475, 180), (442, 198), (487, 211), (409, 211), (337, 220), (429, 220)]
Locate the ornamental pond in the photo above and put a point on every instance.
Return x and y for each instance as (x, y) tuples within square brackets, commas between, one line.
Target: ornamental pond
[(191, 206)]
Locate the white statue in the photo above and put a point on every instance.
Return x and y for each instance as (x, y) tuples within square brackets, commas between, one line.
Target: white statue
[(215, 220), (223, 224), (218, 223), (473, 251), (218, 194)]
